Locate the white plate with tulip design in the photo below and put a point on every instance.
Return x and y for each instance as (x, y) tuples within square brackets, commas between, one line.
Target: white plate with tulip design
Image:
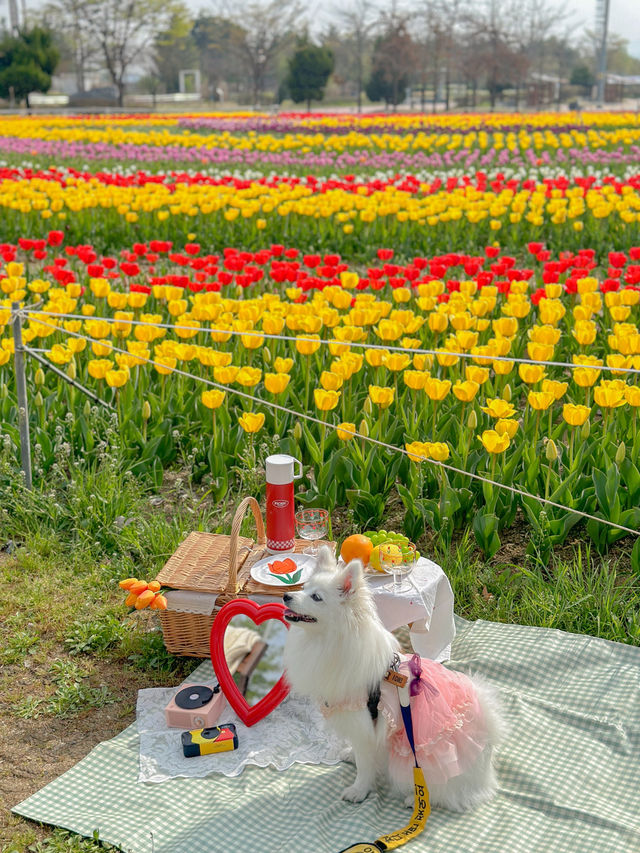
[(283, 570)]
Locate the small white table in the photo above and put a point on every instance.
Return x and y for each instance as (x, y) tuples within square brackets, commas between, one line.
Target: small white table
[(427, 608)]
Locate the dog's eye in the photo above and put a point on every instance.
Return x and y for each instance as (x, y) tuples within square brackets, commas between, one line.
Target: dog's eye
[(316, 597)]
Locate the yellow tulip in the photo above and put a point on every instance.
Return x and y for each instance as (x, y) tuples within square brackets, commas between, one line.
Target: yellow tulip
[(331, 381), (326, 400), (558, 389), (381, 396), (308, 345), (445, 358), (437, 322), (439, 451), (539, 352), (585, 377), (466, 391), (417, 451), (226, 375), (251, 421), (632, 395), (117, 378), (165, 364), (252, 341), (346, 431), (585, 332), (531, 373), (608, 397), (502, 368), (272, 325), (248, 377), (376, 357), (506, 425), (494, 442), (100, 287), (540, 400), (349, 280), (276, 383), (213, 399), (213, 358), (546, 335), (397, 361), (59, 354), (283, 365), (5, 355), (389, 330), (505, 327), (476, 374), (415, 379), (498, 408), (98, 368), (575, 415), (437, 389)]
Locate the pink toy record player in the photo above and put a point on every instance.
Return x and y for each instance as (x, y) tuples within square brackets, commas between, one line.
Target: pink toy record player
[(195, 706)]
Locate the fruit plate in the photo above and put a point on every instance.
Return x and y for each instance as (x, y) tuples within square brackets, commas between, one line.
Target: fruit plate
[(368, 570), (304, 566)]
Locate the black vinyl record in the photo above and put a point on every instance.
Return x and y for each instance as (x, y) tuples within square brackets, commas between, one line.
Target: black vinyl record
[(194, 697)]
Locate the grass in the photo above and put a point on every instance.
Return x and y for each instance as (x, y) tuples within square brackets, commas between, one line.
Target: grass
[(63, 622)]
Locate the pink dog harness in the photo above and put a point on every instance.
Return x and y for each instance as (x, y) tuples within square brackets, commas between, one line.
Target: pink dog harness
[(448, 724)]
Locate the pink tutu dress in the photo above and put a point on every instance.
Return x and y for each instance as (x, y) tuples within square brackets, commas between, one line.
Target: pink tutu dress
[(448, 724)]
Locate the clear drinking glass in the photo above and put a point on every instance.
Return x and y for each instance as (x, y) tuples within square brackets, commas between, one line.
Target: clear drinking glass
[(400, 564), (312, 524)]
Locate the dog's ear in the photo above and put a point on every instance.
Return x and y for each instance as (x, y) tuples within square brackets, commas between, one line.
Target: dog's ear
[(350, 577), (325, 559)]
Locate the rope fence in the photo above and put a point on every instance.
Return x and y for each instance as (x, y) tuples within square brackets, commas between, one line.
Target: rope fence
[(304, 416), (362, 345)]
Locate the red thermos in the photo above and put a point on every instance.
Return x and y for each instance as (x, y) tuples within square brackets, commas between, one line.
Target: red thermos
[(281, 523)]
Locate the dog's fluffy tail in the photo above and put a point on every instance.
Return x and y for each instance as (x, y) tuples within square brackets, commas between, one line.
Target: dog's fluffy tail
[(497, 728)]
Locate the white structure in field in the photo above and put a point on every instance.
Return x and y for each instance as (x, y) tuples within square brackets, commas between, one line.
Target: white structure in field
[(189, 80)]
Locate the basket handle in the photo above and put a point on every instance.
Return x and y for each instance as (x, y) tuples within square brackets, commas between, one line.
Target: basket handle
[(236, 524)]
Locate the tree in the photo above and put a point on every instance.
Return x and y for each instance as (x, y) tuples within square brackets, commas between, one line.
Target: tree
[(308, 72), (393, 61), (27, 62), (219, 42), (269, 27), (174, 49), (66, 18), (123, 30), (494, 29), (359, 22), (581, 75)]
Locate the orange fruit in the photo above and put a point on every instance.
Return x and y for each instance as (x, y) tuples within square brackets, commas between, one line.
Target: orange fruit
[(356, 547)]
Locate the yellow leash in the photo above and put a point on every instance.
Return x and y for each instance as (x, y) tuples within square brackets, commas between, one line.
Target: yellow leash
[(421, 806)]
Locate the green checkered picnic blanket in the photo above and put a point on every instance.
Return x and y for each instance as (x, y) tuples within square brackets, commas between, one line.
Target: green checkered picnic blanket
[(569, 772)]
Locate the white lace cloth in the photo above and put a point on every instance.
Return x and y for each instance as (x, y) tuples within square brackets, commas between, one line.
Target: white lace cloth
[(294, 733)]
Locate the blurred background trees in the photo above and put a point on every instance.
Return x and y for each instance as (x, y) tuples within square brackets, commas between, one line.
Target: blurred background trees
[(437, 54)]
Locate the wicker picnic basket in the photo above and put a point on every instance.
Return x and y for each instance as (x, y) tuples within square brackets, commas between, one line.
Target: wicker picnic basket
[(212, 564)]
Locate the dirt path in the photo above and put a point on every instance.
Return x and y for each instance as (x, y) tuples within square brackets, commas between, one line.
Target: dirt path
[(33, 752)]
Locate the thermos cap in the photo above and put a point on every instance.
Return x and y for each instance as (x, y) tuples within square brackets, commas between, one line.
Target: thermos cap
[(279, 469)]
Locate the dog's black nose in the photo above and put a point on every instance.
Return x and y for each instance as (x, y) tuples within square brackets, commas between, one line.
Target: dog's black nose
[(287, 598)]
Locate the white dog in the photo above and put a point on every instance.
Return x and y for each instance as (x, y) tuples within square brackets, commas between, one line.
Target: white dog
[(338, 652)]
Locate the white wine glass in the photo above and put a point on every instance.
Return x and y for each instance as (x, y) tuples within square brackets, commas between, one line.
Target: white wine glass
[(398, 562), (312, 524)]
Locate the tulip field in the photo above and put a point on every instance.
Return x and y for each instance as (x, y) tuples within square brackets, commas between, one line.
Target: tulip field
[(463, 290)]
